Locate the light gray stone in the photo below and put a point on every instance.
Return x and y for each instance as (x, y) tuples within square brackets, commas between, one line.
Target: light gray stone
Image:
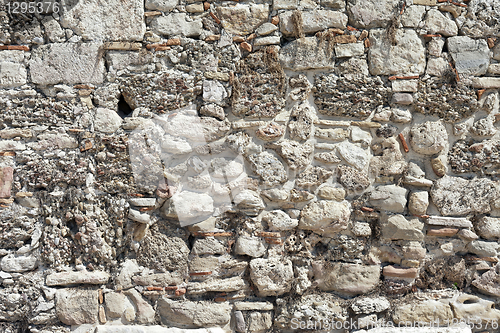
[(483, 249), (12, 74), (249, 202), (455, 196), (107, 121), (412, 16), (306, 53), (268, 40), (68, 63), (266, 29), (437, 23), (243, 19), (349, 50), (325, 216), (313, 21), (17, 264), (428, 138), (176, 24), (269, 168), (235, 283), (250, 246), (81, 277), (111, 20), (354, 155), (193, 314), (389, 197), (77, 306), (418, 202), (162, 5), (371, 14), (397, 227), (471, 56), (407, 57), (152, 329), (370, 305), (272, 277), (348, 279), (189, 207), (145, 314), (278, 220), (488, 227)]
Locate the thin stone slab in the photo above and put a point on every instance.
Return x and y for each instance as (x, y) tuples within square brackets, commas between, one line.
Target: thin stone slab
[(449, 221), (70, 278), (257, 306), (152, 329)]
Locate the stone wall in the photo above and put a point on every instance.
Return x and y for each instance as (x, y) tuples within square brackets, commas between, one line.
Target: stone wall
[(249, 166)]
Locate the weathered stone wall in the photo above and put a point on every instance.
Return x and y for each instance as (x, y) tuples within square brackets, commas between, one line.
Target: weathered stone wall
[(249, 166)]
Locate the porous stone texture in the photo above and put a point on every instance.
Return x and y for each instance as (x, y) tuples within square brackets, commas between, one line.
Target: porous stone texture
[(249, 166)]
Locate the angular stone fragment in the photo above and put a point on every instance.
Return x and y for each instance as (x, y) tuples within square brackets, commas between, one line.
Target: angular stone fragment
[(251, 246), (81, 277), (117, 304), (349, 50), (349, 279), (407, 57), (162, 5), (488, 282), (77, 306), (471, 56), (353, 180), (297, 155), (418, 202), (242, 19), (176, 24), (107, 121), (488, 227), (353, 154), (68, 63), (397, 227), (189, 207), (312, 176), (278, 220), (193, 314), (307, 53), (12, 74), (312, 21), (483, 249), (457, 196), (429, 311), (260, 321), (428, 138), (325, 216), (145, 314), (370, 305), (389, 197), (272, 276), (301, 120), (437, 23), (371, 14), (111, 20)]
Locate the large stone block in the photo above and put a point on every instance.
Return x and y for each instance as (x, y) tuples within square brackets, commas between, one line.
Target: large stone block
[(175, 24), (312, 21), (243, 19), (372, 13), (325, 216), (113, 20), (68, 63), (405, 57), (77, 306), (455, 196), (272, 276), (193, 314), (471, 56), (349, 279), (307, 53)]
